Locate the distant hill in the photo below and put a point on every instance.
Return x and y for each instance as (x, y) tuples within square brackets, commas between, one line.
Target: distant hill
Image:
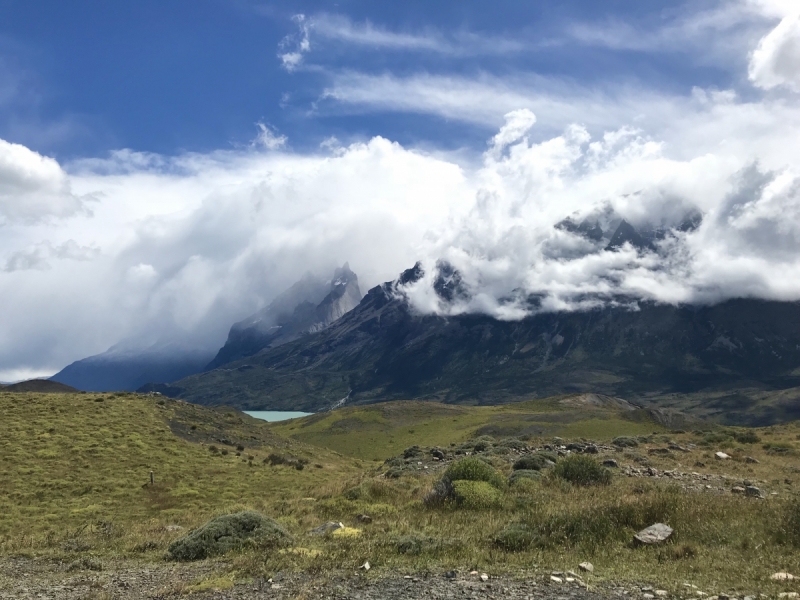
[(126, 369), (39, 386), (384, 350)]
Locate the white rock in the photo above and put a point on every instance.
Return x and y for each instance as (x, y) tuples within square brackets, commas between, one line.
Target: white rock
[(327, 528), (787, 595), (587, 567), (570, 580), (484, 577), (366, 566), (782, 576), (662, 593), (722, 456), (654, 534), (648, 596), (555, 579)]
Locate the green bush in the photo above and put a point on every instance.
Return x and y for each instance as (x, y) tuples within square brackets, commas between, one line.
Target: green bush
[(625, 442), (474, 469), (524, 474), (516, 537), (229, 532), (476, 495), (533, 462), (746, 437), (582, 470)]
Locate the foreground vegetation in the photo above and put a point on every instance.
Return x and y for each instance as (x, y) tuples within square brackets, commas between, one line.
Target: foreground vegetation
[(76, 477)]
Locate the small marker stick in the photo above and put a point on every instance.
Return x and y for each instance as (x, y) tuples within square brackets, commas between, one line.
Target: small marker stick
[(152, 478)]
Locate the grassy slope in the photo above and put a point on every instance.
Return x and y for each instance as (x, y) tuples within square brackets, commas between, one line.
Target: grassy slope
[(74, 468), (378, 431), (71, 460)]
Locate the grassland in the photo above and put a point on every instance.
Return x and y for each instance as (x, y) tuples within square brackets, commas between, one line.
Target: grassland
[(378, 431), (76, 486)]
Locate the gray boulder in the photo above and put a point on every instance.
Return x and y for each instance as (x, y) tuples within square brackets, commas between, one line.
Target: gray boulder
[(655, 534)]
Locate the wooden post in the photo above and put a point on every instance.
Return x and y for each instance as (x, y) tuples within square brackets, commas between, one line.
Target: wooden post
[(152, 479)]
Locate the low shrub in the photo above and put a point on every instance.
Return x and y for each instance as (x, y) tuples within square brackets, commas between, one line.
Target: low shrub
[(579, 469), (533, 462), (746, 437), (625, 442), (513, 444), (476, 495), (789, 528), (515, 537), (524, 475), (474, 469), (229, 532)]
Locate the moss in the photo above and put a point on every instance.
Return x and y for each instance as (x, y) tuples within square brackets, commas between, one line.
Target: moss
[(226, 533), (474, 469)]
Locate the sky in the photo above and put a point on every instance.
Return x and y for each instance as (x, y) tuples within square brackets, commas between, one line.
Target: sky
[(168, 168)]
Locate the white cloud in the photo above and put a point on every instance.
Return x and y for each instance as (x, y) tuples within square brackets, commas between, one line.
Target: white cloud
[(776, 60), (267, 138), (294, 46), (38, 256), (33, 187)]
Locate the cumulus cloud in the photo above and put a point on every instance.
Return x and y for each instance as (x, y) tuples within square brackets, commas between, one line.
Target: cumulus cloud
[(33, 187), (38, 256), (776, 60)]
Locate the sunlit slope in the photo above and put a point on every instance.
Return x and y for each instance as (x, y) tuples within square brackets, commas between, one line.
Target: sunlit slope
[(378, 431), (72, 460)]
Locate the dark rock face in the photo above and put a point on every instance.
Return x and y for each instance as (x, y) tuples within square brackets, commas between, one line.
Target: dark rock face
[(383, 350), (309, 305)]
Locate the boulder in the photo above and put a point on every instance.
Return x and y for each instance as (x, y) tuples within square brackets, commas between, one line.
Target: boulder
[(753, 492), (721, 456), (586, 567), (326, 528), (655, 534), (782, 576), (610, 462)]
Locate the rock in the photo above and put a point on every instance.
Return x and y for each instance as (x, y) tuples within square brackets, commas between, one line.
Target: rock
[(366, 566), (555, 579), (648, 596), (787, 595), (326, 528), (737, 489), (782, 576), (610, 462), (484, 577), (436, 453), (173, 528), (750, 460), (570, 580), (752, 491), (655, 534), (364, 519), (587, 567), (450, 575), (662, 593), (721, 456)]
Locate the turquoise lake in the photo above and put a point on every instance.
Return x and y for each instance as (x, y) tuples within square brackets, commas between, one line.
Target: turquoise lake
[(275, 415)]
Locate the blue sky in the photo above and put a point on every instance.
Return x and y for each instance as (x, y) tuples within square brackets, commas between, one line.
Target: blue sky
[(166, 168), (91, 77)]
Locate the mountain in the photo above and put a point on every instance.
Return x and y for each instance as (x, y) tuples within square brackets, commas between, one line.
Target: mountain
[(384, 350), (309, 305), (125, 368), (39, 386)]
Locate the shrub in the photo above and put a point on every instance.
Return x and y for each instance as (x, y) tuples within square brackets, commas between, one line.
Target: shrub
[(515, 537), (513, 444), (524, 474), (625, 442), (789, 532), (582, 470), (476, 495), (226, 533), (746, 437), (533, 462), (474, 469)]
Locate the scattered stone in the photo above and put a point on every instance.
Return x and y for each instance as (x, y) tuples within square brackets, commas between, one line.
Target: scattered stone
[(570, 580), (555, 579), (173, 528), (326, 528), (484, 577), (366, 566), (782, 576), (655, 534), (721, 456), (648, 596), (473, 572), (751, 460), (586, 567), (610, 462), (737, 489), (364, 519), (787, 595), (436, 453), (753, 492), (662, 593), (450, 575)]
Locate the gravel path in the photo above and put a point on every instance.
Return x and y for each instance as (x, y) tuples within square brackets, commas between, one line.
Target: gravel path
[(38, 579)]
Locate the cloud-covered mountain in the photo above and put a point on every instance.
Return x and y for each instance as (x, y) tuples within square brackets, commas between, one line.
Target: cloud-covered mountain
[(385, 349), (309, 305)]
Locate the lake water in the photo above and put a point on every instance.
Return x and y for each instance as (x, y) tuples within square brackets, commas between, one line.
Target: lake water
[(276, 415)]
